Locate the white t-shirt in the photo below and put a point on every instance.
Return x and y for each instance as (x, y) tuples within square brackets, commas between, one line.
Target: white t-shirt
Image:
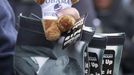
[(51, 7)]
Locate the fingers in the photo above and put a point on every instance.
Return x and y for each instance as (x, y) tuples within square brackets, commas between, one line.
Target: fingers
[(69, 11), (65, 23)]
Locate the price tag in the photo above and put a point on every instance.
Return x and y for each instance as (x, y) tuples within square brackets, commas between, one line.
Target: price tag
[(74, 34), (95, 68), (86, 65), (108, 62)]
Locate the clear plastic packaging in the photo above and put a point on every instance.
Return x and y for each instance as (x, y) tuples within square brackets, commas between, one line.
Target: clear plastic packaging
[(40, 56), (95, 53), (113, 53)]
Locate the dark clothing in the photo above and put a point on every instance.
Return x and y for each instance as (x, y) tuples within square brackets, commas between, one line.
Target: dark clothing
[(26, 7), (118, 19), (7, 38)]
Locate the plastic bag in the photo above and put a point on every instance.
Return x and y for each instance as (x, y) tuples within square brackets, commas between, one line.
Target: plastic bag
[(113, 53), (36, 52), (94, 54)]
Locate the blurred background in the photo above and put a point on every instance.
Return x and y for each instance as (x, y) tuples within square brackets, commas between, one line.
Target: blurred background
[(110, 16)]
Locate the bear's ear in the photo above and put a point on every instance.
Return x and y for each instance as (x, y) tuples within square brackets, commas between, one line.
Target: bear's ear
[(39, 1), (75, 1)]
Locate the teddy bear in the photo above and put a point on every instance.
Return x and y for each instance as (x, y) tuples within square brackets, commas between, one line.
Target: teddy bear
[(58, 16)]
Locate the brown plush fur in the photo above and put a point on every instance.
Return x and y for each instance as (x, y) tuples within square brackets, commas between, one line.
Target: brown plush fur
[(66, 22), (51, 29), (54, 28)]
